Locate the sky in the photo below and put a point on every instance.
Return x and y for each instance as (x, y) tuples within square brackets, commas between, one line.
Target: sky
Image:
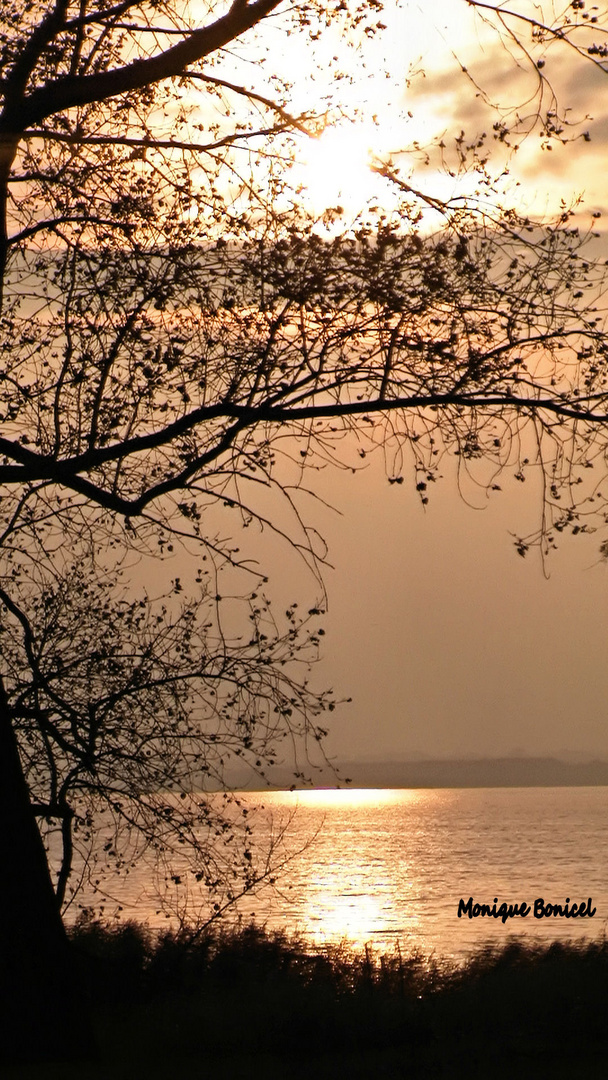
[(449, 643), (411, 89)]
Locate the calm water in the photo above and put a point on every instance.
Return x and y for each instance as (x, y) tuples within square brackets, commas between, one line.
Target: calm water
[(385, 866)]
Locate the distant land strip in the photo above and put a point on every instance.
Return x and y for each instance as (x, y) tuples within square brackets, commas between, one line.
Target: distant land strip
[(482, 772), (443, 773)]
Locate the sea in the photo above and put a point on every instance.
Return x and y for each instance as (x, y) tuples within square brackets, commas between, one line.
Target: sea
[(396, 869)]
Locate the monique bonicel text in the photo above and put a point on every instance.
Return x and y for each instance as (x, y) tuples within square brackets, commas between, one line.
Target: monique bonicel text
[(539, 908)]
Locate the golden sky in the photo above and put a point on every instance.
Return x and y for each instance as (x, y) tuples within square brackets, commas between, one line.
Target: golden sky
[(447, 641), (409, 88)]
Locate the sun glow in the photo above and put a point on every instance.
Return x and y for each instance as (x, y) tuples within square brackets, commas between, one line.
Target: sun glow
[(338, 168)]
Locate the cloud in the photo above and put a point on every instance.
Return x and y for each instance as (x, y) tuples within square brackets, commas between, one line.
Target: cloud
[(498, 87)]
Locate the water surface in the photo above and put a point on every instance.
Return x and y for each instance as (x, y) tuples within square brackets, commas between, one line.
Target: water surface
[(385, 866)]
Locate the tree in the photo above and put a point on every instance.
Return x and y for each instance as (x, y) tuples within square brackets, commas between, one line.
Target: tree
[(127, 711), (182, 346)]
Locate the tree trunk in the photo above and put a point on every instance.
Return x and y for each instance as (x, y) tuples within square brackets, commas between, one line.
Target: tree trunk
[(41, 1011)]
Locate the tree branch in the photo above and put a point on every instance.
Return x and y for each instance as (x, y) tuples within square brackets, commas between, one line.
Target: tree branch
[(101, 16), (253, 96), (157, 144), (66, 473), (71, 91)]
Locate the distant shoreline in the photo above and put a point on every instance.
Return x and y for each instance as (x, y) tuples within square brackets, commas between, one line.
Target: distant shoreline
[(484, 772), (506, 772)]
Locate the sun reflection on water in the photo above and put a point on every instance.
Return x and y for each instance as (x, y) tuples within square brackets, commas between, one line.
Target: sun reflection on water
[(355, 883), (345, 797), (343, 908), (387, 868)]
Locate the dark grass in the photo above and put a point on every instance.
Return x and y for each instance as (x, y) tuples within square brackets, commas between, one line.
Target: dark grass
[(249, 1003)]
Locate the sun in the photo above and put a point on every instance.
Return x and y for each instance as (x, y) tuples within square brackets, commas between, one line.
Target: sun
[(337, 168)]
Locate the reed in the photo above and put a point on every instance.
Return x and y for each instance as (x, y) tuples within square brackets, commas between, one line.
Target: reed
[(247, 1001)]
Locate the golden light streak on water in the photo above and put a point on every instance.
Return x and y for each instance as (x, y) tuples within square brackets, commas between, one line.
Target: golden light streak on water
[(344, 797), (388, 867)]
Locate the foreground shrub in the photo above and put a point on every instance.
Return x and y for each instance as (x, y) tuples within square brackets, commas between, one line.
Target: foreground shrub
[(241, 994)]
